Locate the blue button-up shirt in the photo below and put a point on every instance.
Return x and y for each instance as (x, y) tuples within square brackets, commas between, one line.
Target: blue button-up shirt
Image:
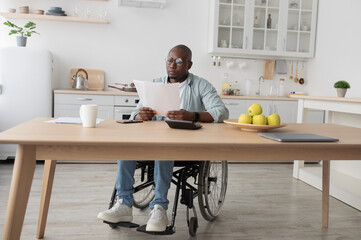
[(199, 96)]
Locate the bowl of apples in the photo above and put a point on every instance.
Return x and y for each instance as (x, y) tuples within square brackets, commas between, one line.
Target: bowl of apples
[(254, 120)]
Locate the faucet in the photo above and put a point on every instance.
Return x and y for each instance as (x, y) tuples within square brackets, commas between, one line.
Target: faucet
[(258, 93)]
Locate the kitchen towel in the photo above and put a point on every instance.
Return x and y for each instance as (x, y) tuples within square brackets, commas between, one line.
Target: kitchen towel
[(281, 66)]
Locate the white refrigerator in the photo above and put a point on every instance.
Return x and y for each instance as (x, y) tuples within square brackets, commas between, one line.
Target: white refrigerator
[(25, 88)]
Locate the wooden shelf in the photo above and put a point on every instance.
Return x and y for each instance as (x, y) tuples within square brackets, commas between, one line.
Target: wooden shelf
[(52, 18)]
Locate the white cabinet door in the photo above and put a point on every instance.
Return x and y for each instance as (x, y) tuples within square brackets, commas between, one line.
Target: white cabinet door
[(315, 116), (235, 107), (66, 110), (281, 28), (227, 26), (286, 109), (265, 25), (299, 29), (68, 105)]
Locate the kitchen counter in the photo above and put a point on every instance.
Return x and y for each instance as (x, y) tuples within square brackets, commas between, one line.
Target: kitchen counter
[(111, 93), (120, 93), (257, 98), (338, 99)]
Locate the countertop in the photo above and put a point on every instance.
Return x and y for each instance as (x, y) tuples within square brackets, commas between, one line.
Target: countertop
[(120, 93), (338, 99)]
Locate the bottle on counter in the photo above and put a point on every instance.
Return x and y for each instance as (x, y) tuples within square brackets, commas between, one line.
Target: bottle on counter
[(236, 89), (269, 21), (281, 88), (225, 85), (230, 90)]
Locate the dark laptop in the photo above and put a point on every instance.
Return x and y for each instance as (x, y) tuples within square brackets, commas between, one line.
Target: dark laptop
[(297, 137)]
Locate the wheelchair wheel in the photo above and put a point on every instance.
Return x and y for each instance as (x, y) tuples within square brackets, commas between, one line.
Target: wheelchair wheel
[(213, 177), (192, 226), (144, 193)]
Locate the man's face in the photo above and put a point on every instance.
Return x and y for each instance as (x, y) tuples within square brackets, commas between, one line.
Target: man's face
[(178, 64)]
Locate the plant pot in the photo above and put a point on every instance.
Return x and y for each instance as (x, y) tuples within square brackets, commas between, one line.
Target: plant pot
[(21, 41), (341, 92)]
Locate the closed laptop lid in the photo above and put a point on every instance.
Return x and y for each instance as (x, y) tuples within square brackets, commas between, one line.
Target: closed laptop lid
[(297, 137)]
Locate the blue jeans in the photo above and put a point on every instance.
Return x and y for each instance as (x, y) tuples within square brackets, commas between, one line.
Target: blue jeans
[(163, 171)]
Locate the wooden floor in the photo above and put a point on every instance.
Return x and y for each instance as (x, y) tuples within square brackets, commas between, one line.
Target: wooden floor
[(263, 202)]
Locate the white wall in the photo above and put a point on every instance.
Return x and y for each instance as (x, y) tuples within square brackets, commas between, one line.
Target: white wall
[(338, 48), (338, 51), (135, 42)]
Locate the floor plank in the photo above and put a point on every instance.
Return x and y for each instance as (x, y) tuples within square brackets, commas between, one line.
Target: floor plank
[(263, 202)]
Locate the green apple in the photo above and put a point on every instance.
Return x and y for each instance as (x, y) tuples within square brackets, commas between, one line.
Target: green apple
[(255, 109), (259, 119), (274, 119), (245, 118)]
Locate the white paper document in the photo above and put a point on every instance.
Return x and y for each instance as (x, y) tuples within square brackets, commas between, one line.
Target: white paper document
[(160, 97), (71, 120)]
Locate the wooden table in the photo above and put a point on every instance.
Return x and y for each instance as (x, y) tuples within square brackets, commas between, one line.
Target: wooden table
[(155, 140)]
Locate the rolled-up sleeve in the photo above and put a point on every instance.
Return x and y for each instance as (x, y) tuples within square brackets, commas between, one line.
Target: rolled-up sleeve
[(212, 102), (136, 111)]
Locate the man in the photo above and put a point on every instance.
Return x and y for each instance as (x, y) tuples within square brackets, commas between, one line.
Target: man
[(199, 102)]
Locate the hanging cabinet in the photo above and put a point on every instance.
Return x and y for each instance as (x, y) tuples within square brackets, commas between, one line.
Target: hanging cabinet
[(263, 28)]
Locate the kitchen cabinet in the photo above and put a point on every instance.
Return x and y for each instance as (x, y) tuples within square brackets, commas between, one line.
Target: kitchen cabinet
[(262, 28), (52, 18), (286, 109), (111, 105), (235, 107), (67, 105)]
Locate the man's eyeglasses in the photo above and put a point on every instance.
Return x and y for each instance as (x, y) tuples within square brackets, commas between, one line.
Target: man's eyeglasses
[(178, 61)]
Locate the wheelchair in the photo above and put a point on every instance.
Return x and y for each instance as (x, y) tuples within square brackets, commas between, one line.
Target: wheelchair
[(209, 186)]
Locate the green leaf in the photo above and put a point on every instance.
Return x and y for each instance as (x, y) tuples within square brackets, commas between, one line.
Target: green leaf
[(27, 30), (341, 84), (30, 24)]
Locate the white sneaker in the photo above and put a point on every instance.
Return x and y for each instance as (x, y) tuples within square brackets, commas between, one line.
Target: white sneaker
[(118, 213), (158, 220)]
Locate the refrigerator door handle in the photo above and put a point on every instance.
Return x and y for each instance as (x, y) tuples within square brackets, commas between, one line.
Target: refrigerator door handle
[(1, 89)]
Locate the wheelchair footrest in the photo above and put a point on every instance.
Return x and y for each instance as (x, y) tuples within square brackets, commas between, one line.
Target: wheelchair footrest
[(122, 224), (168, 231)]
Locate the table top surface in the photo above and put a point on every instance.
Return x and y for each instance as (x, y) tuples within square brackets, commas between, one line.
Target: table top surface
[(38, 132)]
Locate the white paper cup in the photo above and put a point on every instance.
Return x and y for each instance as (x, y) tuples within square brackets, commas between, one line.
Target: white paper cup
[(88, 115)]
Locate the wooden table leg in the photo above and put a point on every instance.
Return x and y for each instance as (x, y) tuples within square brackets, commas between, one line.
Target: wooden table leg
[(23, 174), (325, 192), (48, 178)]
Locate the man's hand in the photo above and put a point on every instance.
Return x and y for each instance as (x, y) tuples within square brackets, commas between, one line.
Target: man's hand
[(145, 113), (180, 115)]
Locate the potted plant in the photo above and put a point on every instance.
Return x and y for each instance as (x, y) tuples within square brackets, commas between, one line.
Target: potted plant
[(341, 87), (23, 32)]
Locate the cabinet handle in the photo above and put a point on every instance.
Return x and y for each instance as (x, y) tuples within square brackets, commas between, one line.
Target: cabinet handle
[(231, 103), (245, 46), (84, 99)]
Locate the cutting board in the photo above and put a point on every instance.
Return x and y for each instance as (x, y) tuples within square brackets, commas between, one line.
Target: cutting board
[(95, 78), (268, 69)]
